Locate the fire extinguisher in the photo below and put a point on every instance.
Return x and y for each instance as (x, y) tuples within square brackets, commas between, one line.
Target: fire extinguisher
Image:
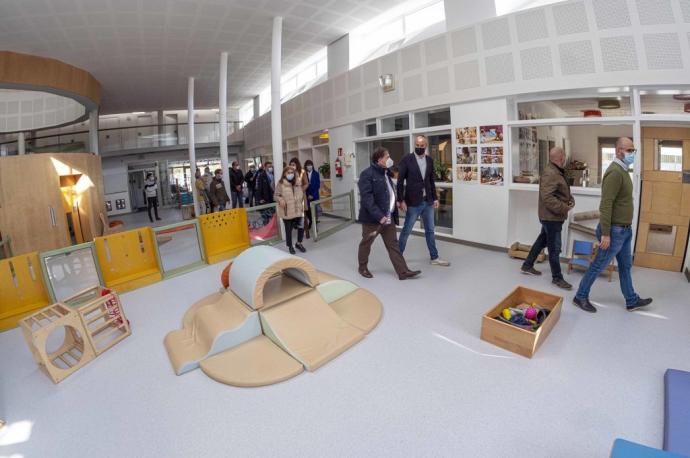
[(338, 168)]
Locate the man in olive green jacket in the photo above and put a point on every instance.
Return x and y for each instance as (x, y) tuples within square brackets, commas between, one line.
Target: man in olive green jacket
[(614, 230), (555, 201)]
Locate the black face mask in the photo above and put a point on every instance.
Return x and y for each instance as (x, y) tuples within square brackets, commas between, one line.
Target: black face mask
[(420, 151)]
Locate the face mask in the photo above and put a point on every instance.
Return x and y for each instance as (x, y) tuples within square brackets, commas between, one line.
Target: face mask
[(629, 159), (270, 170), (389, 163), (310, 168), (290, 176), (420, 151)]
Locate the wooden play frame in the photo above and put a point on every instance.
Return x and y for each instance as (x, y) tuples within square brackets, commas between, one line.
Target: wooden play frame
[(94, 322)]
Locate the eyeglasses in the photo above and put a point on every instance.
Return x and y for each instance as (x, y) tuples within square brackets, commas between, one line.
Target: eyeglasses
[(631, 151)]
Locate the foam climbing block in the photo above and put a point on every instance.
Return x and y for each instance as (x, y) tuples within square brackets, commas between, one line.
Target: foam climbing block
[(261, 264), (677, 412), (626, 449), (257, 362), (309, 330), (360, 308), (215, 324)]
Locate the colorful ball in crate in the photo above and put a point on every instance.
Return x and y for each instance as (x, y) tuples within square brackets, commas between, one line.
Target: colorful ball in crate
[(531, 313), (225, 276), (507, 314)]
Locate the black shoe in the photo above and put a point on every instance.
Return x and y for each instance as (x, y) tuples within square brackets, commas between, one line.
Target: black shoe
[(562, 283), (529, 271), (300, 247), (292, 250), (585, 305), (364, 272), (409, 274), (639, 304), (158, 219)]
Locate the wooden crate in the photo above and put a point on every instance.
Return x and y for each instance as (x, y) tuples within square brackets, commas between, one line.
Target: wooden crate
[(520, 251), (93, 322), (513, 338)]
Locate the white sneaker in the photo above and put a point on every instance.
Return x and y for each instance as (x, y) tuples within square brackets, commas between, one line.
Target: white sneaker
[(440, 262)]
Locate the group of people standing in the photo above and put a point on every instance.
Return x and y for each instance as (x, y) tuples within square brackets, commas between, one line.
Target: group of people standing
[(294, 192)]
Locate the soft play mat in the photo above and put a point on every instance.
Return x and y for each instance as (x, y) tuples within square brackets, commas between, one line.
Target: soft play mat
[(278, 316)]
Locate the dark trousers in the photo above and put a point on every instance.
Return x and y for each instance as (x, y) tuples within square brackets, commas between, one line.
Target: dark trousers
[(290, 224), (237, 199), (250, 196), (549, 238), (307, 213), (152, 202), (390, 240)]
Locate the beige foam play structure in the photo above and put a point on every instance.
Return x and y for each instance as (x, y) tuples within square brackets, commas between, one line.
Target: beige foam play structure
[(278, 317)]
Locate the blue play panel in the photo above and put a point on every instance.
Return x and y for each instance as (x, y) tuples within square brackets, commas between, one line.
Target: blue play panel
[(627, 449), (677, 412)]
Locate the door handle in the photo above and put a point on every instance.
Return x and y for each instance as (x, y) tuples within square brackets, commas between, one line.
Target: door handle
[(53, 220)]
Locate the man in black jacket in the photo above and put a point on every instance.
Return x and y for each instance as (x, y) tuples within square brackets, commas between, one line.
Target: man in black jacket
[(250, 179), (265, 188), (417, 196), (378, 215), (236, 180)]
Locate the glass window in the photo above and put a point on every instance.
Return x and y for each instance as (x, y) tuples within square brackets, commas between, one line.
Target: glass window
[(395, 123), (575, 108), (394, 29), (371, 129), (398, 147), (589, 150), (440, 150), (247, 112), (666, 101), (431, 118), (669, 156)]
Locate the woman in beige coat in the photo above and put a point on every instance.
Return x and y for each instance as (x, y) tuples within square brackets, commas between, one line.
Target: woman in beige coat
[(289, 195)]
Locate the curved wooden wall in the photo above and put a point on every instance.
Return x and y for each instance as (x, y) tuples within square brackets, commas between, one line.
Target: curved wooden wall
[(35, 72)]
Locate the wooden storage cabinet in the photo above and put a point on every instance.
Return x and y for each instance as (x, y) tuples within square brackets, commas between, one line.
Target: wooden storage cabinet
[(34, 208)]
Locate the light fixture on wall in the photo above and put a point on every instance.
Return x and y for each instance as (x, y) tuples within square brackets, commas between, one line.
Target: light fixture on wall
[(387, 82), (609, 104)]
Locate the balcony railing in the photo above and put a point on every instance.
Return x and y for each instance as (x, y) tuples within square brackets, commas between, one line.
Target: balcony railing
[(123, 138)]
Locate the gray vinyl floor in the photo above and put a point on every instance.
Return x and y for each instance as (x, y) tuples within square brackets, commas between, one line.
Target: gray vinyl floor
[(421, 384)]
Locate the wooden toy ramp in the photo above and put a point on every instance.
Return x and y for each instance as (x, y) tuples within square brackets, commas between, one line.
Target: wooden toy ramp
[(278, 317)]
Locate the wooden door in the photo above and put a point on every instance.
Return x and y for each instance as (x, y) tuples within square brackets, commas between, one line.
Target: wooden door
[(33, 212), (665, 206)]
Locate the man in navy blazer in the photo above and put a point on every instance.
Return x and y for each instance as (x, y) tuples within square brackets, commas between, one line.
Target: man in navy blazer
[(417, 196), (378, 215)]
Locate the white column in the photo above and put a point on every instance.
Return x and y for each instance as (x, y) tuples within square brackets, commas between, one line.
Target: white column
[(223, 112), (257, 107), (21, 143), (192, 150), (276, 119), (93, 131)]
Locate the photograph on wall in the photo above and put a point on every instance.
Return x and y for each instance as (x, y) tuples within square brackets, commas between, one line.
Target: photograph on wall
[(466, 155), (466, 135), (491, 134), (467, 174), (492, 155), (492, 175)]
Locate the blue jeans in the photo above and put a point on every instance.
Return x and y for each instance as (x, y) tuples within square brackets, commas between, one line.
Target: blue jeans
[(426, 210), (550, 238), (621, 249)]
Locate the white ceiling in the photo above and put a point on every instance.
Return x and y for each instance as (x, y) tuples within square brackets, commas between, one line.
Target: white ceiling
[(142, 51)]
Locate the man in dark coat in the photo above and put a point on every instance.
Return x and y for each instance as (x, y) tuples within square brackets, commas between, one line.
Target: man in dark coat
[(378, 215), (236, 181), (555, 201)]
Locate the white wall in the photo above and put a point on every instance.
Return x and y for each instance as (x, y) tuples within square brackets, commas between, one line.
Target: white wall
[(461, 13), (341, 137), (480, 212), (564, 46)]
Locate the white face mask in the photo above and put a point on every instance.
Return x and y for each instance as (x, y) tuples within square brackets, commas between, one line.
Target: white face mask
[(270, 170), (290, 176), (310, 168), (389, 163)]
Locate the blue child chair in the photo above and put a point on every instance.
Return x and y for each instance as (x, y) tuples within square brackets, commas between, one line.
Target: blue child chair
[(583, 255)]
